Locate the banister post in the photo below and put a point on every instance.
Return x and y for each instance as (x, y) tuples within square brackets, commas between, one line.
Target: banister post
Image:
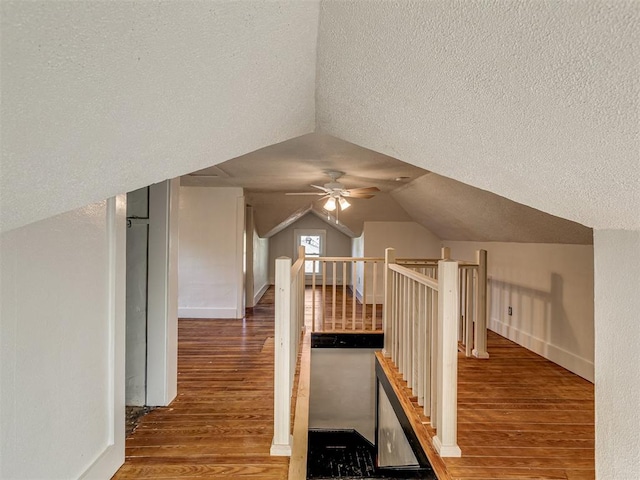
[(282, 440), (445, 441), (389, 257), (445, 253), (480, 333)]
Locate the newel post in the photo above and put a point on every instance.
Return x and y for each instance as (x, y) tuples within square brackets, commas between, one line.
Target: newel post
[(282, 440), (389, 257), (480, 340), (445, 441)]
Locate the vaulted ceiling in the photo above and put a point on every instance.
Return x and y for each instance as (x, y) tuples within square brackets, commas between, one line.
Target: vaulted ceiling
[(450, 209), (535, 101)]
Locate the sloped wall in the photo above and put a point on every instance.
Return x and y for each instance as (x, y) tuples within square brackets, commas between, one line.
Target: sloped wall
[(62, 345), (100, 98), (537, 101)]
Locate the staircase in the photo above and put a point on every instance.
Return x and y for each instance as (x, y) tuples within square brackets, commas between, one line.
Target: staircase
[(347, 454)]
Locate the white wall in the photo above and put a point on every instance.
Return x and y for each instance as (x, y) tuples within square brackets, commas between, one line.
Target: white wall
[(120, 95), (342, 394), (62, 347), (210, 271), (617, 303), (550, 289), (260, 266), (409, 239), (282, 244)]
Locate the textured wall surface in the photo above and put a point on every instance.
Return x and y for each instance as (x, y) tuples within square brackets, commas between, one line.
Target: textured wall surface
[(100, 98), (535, 101), (62, 347), (617, 329), (455, 211)]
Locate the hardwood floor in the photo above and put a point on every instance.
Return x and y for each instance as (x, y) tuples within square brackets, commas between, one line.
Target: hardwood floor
[(520, 416), (344, 319), (221, 423)]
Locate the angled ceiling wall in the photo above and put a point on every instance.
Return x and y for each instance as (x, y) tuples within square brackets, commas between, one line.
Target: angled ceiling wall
[(100, 98), (537, 101), (455, 211)]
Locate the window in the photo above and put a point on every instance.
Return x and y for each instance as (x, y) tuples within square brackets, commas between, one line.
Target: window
[(313, 242)]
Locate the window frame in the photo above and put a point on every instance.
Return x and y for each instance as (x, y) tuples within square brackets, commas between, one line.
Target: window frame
[(303, 232)]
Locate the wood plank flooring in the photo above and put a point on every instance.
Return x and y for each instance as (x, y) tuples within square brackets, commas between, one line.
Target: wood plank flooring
[(345, 320), (520, 416), (221, 423)]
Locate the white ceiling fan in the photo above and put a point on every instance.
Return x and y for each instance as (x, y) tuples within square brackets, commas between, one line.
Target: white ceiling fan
[(336, 194)]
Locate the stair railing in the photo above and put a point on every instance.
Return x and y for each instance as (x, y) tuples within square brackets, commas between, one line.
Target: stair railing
[(346, 293), (420, 323)]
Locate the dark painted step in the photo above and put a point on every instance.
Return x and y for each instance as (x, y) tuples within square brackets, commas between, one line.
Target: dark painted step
[(347, 454)]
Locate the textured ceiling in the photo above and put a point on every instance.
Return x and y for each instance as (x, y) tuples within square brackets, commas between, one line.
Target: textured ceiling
[(450, 209), (293, 165), (455, 211), (101, 98), (537, 101)]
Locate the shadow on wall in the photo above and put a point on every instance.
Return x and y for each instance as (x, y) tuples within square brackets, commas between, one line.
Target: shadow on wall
[(536, 313)]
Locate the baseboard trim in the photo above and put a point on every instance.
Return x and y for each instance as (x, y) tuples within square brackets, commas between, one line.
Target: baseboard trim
[(261, 292), (107, 463), (212, 313), (572, 362)]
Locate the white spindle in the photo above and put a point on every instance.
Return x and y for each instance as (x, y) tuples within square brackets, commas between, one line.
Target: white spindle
[(480, 339), (313, 297), (344, 295), (468, 316), (354, 275), (333, 298), (389, 257)]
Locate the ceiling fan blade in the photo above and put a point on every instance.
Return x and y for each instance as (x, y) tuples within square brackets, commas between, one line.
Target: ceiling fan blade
[(359, 195), (305, 193), (363, 190), (324, 189)]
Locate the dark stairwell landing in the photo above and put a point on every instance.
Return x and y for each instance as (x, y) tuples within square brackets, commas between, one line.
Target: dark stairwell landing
[(347, 454)]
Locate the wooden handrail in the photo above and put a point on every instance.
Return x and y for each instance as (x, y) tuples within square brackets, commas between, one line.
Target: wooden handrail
[(415, 276)]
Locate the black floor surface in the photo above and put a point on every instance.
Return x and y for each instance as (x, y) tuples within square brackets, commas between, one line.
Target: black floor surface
[(347, 454)]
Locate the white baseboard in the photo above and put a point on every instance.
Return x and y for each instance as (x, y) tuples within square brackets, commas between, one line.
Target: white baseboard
[(107, 464), (187, 312), (572, 362), (258, 296)]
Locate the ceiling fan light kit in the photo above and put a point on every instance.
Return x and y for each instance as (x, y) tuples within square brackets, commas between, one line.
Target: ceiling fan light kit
[(343, 203), (335, 192), (330, 204)]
